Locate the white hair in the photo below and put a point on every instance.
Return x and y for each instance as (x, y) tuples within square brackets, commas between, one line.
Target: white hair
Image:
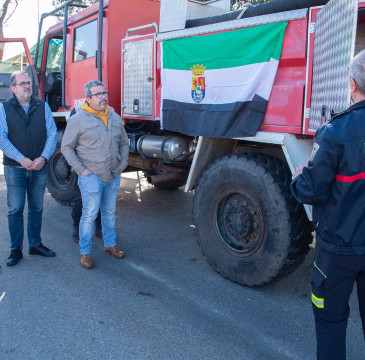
[(357, 71)]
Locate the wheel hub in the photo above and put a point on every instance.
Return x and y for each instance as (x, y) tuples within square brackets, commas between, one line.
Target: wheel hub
[(240, 221)]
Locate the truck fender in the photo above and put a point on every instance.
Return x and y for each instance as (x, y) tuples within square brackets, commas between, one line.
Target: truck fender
[(208, 149)]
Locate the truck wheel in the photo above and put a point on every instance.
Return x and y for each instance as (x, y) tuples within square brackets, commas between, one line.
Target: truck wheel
[(249, 226), (62, 181)]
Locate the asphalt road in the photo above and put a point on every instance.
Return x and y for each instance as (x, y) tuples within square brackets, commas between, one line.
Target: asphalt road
[(162, 301)]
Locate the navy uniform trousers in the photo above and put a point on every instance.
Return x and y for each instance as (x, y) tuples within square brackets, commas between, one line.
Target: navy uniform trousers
[(332, 279)]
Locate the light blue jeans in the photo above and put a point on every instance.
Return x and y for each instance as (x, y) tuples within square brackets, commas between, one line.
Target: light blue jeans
[(97, 194)]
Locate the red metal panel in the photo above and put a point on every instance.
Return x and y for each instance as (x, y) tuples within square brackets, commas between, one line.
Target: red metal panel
[(313, 13), (119, 16), (284, 111), (25, 45), (158, 80), (80, 72), (124, 14)]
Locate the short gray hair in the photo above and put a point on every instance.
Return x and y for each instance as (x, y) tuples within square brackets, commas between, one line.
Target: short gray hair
[(91, 84), (14, 75), (357, 71)]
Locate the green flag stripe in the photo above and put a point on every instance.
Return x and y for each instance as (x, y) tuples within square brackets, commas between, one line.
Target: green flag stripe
[(227, 49)]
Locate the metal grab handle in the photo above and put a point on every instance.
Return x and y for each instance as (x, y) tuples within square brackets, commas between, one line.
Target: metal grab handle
[(143, 27)]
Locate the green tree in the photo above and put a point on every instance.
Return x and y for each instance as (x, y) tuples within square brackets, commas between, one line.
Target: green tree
[(239, 4), (73, 10)]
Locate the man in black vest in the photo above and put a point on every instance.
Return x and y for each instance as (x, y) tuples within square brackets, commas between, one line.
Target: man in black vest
[(28, 138)]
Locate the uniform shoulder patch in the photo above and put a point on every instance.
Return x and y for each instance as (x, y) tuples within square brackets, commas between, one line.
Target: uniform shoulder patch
[(314, 151)]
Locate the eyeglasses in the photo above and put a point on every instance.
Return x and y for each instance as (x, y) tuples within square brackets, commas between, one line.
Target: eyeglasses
[(99, 95), (24, 84)]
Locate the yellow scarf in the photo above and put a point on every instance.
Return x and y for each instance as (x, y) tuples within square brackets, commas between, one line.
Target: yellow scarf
[(102, 116)]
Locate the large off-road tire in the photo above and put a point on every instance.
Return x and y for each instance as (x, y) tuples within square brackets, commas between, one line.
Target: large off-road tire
[(249, 226), (62, 181)]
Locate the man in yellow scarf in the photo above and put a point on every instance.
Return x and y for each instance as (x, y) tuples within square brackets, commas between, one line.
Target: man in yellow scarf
[(95, 145)]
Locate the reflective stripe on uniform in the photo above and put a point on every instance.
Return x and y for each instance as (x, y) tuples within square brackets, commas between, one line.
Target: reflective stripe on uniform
[(319, 302), (351, 178), (315, 265)]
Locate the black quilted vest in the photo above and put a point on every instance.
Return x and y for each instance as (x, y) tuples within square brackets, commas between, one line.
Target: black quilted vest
[(28, 133)]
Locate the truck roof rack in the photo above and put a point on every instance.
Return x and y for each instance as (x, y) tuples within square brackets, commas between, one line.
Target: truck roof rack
[(271, 7)]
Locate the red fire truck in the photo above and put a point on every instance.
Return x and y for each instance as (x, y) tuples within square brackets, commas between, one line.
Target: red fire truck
[(248, 225)]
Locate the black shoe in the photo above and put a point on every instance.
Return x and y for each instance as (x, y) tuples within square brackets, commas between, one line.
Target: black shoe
[(41, 250), (14, 257), (98, 233), (75, 233)]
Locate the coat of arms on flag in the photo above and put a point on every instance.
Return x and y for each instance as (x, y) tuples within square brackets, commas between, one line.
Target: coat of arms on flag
[(198, 83)]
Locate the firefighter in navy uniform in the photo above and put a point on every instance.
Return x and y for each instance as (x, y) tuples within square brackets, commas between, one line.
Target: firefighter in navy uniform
[(333, 181)]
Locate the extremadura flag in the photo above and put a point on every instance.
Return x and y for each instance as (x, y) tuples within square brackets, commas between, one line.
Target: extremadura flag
[(219, 85)]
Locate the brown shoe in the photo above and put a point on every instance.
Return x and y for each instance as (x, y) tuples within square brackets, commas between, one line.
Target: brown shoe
[(114, 251), (86, 261)]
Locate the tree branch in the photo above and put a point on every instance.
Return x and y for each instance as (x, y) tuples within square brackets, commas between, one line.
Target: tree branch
[(4, 11), (16, 5)]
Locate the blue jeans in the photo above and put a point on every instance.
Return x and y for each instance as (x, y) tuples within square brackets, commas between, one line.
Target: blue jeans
[(97, 194), (21, 183)]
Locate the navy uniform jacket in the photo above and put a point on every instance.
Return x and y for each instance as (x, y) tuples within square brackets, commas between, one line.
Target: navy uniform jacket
[(334, 183)]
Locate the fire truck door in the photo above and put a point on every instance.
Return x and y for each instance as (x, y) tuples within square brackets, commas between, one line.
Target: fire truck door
[(138, 77), (15, 56), (334, 33), (81, 67)]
